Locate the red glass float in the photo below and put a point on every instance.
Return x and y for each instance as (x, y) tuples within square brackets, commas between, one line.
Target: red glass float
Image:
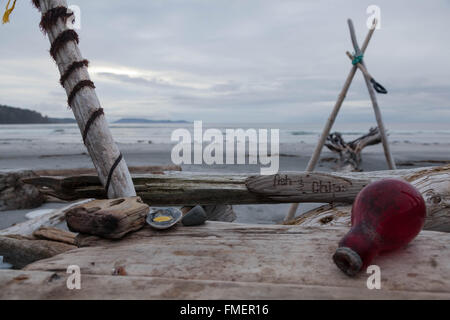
[(386, 215)]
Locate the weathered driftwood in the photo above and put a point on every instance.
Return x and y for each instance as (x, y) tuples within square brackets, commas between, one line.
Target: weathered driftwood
[(373, 98), (87, 171), (433, 185), (220, 212), (350, 153), (51, 219), (190, 189), (22, 252), (14, 194), (222, 260), (99, 141), (111, 219), (54, 234), (331, 119)]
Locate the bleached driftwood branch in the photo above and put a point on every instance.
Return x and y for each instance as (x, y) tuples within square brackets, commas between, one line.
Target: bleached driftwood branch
[(51, 219), (192, 189), (350, 153)]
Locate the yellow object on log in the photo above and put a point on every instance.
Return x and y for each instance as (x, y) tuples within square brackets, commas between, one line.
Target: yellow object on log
[(8, 11), (162, 219)]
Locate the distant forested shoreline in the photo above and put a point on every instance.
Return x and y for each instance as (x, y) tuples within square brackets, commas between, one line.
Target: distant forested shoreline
[(11, 115)]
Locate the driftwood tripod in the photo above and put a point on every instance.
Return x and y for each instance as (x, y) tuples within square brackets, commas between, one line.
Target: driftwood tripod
[(372, 86)]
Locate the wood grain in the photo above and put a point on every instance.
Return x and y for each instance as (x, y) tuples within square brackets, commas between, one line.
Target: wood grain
[(112, 219), (248, 261)]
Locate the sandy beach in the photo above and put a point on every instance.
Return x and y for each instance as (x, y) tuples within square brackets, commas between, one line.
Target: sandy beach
[(40, 155)]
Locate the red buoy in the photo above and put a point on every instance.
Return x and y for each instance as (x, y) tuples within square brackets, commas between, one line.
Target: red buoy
[(386, 215)]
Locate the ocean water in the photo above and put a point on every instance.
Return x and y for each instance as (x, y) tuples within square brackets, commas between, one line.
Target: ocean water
[(427, 133)]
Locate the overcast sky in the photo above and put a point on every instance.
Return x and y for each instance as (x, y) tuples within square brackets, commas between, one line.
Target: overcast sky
[(237, 60)]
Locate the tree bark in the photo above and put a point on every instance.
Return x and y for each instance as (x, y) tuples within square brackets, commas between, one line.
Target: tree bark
[(21, 253)]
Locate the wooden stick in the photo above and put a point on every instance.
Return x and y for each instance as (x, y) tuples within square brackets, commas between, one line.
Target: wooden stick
[(51, 219), (326, 131), (373, 97), (360, 66), (99, 141)]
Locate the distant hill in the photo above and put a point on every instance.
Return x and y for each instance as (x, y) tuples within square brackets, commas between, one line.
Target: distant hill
[(132, 120), (11, 115)]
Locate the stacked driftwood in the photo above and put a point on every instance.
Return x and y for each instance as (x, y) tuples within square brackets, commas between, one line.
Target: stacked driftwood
[(338, 189), (216, 256)]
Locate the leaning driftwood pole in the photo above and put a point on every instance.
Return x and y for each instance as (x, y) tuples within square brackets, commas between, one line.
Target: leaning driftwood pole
[(82, 99), (326, 131), (373, 97)]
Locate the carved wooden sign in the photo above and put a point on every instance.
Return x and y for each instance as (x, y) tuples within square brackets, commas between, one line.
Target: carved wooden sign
[(307, 187)]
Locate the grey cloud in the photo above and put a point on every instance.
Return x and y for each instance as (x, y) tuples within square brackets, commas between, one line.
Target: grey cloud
[(251, 57)]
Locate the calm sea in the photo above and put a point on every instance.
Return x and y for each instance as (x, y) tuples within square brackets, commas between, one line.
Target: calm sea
[(161, 133)]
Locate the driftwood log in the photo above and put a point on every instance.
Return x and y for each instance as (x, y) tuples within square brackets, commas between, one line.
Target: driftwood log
[(14, 194), (223, 260), (432, 183), (51, 219), (21, 252), (54, 234), (87, 171), (350, 153), (111, 219), (185, 189)]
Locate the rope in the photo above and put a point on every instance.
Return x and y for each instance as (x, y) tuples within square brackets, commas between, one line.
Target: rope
[(50, 18), (80, 85), (74, 66), (97, 113), (63, 38), (37, 4), (357, 59), (114, 166)]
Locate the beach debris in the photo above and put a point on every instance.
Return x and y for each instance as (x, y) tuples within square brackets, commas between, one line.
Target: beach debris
[(55, 234), (357, 63), (20, 251), (52, 219), (386, 215), (194, 217), (350, 153), (38, 213), (112, 219), (164, 218), (15, 194)]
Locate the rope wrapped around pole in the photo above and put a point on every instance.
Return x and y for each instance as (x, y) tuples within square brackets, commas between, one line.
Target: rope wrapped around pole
[(82, 99)]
